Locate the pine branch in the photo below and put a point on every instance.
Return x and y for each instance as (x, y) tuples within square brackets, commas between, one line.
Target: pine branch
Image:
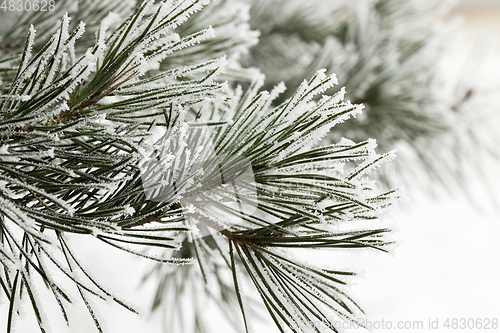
[(295, 193), (66, 168)]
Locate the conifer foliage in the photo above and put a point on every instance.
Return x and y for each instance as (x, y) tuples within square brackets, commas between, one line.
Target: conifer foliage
[(136, 133), (388, 55)]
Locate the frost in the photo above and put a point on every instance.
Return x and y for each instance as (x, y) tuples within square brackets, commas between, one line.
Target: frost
[(29, 48), (195, 231), (51, 153), (176, 149), (109, 20), (129, 210), (346, 142), (190, 209)]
